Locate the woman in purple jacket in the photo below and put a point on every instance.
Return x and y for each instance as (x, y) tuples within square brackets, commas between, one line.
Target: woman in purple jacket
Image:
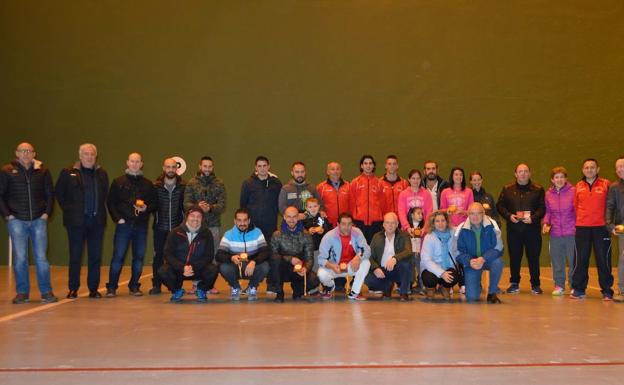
[(559, 222)]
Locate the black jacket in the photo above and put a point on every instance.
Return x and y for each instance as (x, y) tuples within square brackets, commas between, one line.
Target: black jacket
[(259, 197), (25, 194), (442, 184), (124, 192), (170, 211), (71, 197), (515, 197), (179, 252), (484, 197)]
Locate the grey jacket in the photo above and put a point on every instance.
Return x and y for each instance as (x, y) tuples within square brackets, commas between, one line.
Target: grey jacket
[(294, 194), (614, 214)]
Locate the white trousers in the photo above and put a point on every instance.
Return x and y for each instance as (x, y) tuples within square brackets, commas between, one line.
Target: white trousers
[(326, 276)]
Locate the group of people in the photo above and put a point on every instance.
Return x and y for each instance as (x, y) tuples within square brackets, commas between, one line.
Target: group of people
[(424, 234)]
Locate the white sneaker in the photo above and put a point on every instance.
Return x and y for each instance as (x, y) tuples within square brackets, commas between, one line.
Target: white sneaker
[(558, 291)]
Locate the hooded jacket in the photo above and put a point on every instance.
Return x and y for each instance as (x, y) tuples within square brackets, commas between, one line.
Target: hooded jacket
[(260, 198), (179, 251), (210, 189), (250, 241)]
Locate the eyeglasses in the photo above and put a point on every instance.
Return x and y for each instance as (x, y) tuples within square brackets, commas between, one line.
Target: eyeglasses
[(25, 150)]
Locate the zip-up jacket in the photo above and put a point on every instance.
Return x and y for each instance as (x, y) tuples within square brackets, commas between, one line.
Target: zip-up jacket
[(336, 201), (560, 212), (464, 244), (590, 202), (331, 246), (179, 251), (408, 199), (484, 197), (515, 197), (250, 241), (26, 194), (391, 191), (402, 248), (70, 194), (209, 189), (614, 214), (367, 199), (288, 244), (123, 194), (442, 184), (260, 198), (170, 211), (295, 194)]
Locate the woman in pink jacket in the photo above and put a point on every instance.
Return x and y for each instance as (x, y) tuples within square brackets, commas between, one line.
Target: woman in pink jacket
[(414, 196), (559, 222), (456, 199)]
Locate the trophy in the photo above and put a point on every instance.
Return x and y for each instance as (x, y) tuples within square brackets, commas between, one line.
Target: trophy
[(619, 229), (486, 206), (244, 258), (298, 268), (138, 203), (451, 209)]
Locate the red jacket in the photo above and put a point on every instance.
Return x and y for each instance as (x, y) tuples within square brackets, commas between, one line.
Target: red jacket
[(336, 202), (391, 191), (590, 202), (367, 199)]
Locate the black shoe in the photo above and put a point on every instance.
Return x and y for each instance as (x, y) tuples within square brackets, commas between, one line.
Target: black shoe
[(279, 298), (297, 297), (493, 298), (404, 298), (94, 294), (537, 290), (136, 292), (110, 293), (154, 291), (72, 294)]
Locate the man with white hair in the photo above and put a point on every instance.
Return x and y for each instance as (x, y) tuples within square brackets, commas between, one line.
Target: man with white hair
[(81, 191)]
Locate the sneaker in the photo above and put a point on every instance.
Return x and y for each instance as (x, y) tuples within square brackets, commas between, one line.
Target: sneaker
[(154, 291), (328, 293), (136, 292), (177, 296), (72, 294), (376, 292), (619, 297), (94, 294), (235, 294), (446, 293), (537, 290), (356, 297), (110, 293), (558, 291), (20, 299), (315, 292), (201, 295), (214, 291), (493, 298), (462, 289), (48, 297), (514, 288), (607, 297), (575, 294), (279, 298), (252, 294)]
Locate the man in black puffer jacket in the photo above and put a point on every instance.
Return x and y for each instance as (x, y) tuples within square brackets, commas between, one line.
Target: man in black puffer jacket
[(131, 199), (189, 253), (26, 199)]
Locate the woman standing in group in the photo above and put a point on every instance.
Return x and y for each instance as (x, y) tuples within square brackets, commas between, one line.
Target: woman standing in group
[(456, 198), (414, 196), (559, 222), (483, 197)]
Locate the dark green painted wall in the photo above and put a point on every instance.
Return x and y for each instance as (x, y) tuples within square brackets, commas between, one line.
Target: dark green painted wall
[(482, 84)]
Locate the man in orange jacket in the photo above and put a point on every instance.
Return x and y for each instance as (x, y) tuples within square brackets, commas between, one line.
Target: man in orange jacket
[(392, 185), (334, 192), (367, 199)]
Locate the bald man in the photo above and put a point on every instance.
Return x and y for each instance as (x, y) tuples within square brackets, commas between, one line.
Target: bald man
[(81, 191), (391, 251), (26, 200), (169, 214), (478, 246), (334, 192), (131, 199)]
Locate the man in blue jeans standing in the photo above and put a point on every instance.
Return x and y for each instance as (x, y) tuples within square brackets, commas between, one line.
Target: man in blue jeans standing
[(26, 199), (478, 246), (131, 199)]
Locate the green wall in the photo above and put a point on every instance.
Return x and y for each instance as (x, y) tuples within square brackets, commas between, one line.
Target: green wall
[(482, 84)]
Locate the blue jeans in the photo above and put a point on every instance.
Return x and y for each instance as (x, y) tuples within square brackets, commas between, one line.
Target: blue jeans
[(124, 234), (20, 231), (230, 272), (473, 278), (401, 274)]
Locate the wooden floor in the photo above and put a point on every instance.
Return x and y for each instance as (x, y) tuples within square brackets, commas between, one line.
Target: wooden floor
[(527, 340)]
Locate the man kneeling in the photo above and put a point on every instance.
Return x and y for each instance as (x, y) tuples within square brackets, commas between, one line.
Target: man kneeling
[(188, 255), (478, 247)]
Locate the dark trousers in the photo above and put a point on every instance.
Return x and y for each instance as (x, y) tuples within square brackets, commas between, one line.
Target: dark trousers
[(288, 274), (527, 240), (430, 280), (401, 274), (174, 279), (160, 237), (600, 239), (93, 233), (125, 234), (232, 274), (370, 230)]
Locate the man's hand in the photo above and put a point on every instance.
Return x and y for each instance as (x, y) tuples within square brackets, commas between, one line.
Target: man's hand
[(391, 264), (301, 216), (296, 261), (302, 271), (188, 271), (205, 206), (44, 216), (236, 259), (527, 220), (334, 267), (379, 273), (249, 270), (141, 208), (477, 263), (13, 217), (514, 218), (355, 263), (121, 221)]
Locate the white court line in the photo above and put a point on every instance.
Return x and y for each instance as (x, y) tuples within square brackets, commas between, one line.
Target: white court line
[(37, 309)]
